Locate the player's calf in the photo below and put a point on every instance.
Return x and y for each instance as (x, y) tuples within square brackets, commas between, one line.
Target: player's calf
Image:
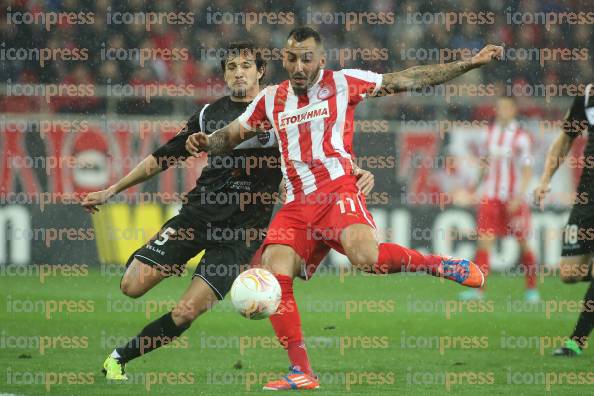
[(395, 258), (286, 264), (361, 247), (198, 299)]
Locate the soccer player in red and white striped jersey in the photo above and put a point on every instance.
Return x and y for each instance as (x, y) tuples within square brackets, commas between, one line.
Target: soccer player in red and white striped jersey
[(503, 208), (316, 127), (312, 116)]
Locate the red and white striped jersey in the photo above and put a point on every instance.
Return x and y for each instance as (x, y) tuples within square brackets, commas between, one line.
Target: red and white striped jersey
[(507, 150), (314, 130)]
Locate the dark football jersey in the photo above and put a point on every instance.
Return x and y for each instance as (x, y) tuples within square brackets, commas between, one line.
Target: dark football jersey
[(580, 116), (237, 190)]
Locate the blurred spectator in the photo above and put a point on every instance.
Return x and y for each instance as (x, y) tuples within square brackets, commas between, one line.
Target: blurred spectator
[(80, 82), (419, 25)]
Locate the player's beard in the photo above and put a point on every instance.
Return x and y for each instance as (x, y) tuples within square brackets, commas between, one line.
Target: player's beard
[(303, 90), (239, 92)]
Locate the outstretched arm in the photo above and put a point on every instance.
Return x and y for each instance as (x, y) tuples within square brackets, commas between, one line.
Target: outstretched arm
[(146, 169), (574, 124), (220, 141), (166, 155), (419, 77), (555, 157)]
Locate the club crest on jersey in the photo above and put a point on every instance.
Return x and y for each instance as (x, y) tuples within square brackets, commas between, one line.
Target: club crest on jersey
[(263, 137), (305, 114), (324, 93)]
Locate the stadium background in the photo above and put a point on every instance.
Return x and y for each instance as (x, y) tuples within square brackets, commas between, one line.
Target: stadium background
[(120, 106)]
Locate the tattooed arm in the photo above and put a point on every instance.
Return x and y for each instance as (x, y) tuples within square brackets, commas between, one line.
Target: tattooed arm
[(220, 141), (419, 77)]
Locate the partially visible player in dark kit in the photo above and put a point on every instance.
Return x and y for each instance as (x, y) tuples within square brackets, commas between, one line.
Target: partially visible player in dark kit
[(251, 171), (578, 235)]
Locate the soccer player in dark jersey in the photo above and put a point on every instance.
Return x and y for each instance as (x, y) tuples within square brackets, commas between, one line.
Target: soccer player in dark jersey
[(213, 207), (185, 235), (578, 236)]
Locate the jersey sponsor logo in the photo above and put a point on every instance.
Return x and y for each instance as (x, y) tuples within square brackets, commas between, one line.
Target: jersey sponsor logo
[(242, 185), (305, 114)]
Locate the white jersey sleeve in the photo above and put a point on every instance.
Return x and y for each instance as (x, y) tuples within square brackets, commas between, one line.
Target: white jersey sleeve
[(254, 117), (361, 83)]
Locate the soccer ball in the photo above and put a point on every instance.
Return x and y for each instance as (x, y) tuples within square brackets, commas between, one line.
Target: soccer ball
[(256, 293)]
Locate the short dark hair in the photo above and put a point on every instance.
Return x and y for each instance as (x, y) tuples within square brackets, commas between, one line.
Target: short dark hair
[(238, 47), (302, 33)]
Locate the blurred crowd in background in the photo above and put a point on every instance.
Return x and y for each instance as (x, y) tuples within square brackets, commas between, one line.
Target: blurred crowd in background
[(413, 27)]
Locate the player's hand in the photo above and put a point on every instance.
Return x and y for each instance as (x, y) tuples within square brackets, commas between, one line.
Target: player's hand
[(463, 197), (197, 143), (513, 205), (540, 192), (282, 190), (487, 54), (94, 199), (365, 180)]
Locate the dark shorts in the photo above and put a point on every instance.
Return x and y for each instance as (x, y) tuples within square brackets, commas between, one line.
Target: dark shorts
[(578, 234), (181, 238)]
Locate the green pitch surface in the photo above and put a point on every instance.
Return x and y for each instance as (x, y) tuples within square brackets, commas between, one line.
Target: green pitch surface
[(402, 335)]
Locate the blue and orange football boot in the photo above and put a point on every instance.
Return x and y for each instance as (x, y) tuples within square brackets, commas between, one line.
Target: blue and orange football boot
[(295, 380)]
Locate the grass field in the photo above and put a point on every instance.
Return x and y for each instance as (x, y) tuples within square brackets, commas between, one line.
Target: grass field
[(402, 335)]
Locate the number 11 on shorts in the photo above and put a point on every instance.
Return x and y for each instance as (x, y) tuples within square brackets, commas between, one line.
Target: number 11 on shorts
[(343, 208)]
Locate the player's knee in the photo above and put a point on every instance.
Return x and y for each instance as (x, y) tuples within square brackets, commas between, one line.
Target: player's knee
[(571, 273), (281, 260), (569, 278), (129, 289), (363, 259)]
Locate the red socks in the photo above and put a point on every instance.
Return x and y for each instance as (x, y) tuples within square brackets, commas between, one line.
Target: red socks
[(287, 326), (529, 262), (395, 258)]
